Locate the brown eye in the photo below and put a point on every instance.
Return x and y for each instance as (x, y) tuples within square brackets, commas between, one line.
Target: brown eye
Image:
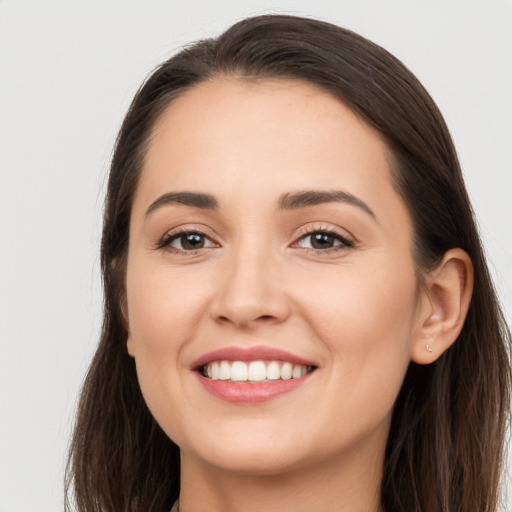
[(324, 240), (189, 241)]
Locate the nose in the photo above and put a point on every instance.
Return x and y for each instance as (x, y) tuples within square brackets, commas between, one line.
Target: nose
[(250, 292)]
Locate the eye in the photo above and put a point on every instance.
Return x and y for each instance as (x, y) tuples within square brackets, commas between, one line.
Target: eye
[(186, 241), (323, 241)]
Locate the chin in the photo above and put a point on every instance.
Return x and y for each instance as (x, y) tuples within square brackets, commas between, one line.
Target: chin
[(250, 453), (252, 461)]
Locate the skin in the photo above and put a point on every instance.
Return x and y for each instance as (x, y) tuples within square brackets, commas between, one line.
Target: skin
[(356, 310)]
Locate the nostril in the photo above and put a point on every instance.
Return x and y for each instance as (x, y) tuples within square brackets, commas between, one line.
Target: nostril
[(264, 318)]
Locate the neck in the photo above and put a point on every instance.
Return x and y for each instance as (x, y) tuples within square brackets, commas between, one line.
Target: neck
[(349, 486)]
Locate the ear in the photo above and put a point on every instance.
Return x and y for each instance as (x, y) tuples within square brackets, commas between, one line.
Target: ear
[(444, 305)]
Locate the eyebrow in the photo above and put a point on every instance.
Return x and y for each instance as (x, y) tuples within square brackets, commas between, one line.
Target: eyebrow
[(306, 198), (288, 201), (195, 199)]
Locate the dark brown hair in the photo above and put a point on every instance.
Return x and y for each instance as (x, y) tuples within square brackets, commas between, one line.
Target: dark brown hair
[(445, 448)]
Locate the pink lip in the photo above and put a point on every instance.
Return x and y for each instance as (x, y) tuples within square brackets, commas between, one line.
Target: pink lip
[(246, 393), (237, 392), (258, 353)]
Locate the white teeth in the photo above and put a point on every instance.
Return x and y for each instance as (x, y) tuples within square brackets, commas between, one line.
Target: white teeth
[(255, 371), (214, 370), (225, 371), (297, 372), (238, 371), (273, 371), (286, 371)]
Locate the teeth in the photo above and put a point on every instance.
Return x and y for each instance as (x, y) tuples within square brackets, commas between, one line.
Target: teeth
[(287, 371), (255, 371), (297, 372), (239, 371), (273, 371), (213, 371), (224, 371)]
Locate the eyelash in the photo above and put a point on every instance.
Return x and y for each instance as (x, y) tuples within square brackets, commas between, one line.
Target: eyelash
[(166, 241), (346, 242)]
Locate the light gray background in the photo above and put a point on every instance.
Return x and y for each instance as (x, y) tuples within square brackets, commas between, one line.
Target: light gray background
[(68, 70)]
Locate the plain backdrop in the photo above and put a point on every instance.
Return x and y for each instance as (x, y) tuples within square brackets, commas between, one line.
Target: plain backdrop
[(68, 71)]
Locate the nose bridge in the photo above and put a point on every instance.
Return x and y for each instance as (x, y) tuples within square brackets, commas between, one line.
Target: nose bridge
[(250, 290)]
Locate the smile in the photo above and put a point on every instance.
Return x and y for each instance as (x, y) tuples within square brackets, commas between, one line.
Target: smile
[(254, 371), (252, 375)]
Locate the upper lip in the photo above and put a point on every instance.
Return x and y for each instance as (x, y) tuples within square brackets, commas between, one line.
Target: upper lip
[(258, 353)]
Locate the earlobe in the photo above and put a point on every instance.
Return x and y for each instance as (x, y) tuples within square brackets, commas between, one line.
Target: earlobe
[(445, 303)]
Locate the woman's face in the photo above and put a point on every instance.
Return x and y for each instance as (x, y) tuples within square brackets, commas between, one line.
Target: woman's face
[(267, 241)]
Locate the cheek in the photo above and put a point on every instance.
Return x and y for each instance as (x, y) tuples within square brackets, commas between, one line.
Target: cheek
[(164, 307), (163, 311), (363, 308), (367, 322)]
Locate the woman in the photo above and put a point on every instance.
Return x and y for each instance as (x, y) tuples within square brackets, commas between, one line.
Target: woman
[(298, 312)]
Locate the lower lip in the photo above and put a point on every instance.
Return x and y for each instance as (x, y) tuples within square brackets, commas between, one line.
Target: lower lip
[(239, 392)]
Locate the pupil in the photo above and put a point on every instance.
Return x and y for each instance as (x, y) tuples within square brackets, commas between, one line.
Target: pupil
[(322, 241), (192, 241)]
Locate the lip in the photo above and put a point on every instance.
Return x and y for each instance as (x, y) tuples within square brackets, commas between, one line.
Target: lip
[(245, 393), (247, 354), (250, 393)]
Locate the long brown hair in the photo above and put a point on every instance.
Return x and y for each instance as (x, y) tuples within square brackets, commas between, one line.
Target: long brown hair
[(445, 448)]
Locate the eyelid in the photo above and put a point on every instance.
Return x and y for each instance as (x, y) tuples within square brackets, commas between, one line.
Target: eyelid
[(173, 234), (347, 239)]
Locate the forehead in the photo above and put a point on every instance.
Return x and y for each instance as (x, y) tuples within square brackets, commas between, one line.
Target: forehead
[(281, 125), (244, 140), (255, 111)]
